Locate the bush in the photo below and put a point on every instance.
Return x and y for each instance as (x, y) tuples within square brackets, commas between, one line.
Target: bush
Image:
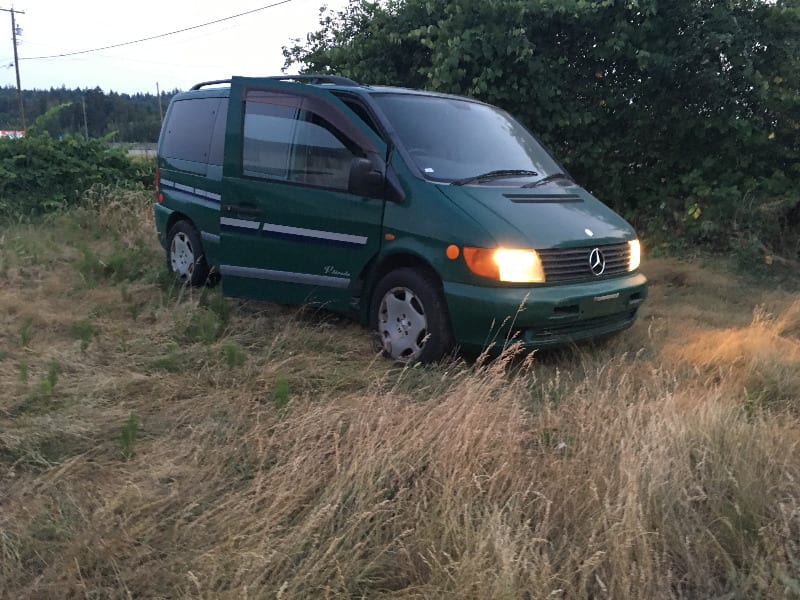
[(682, 116), (39, 174)]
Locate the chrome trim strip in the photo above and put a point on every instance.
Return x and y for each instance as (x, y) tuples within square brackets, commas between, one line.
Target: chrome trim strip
[(241, 223), (316, 234), (190, 190), (284, 276), (209, 237), (209, 195)]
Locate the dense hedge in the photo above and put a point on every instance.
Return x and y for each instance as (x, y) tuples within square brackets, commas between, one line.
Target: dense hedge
[(684, 116), (39, 174)]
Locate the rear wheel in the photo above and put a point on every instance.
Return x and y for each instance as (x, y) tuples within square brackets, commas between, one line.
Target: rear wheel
[(185, 256), (410, 317)]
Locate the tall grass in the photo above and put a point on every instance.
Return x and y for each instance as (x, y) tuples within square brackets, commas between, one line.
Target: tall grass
[(661, 464)]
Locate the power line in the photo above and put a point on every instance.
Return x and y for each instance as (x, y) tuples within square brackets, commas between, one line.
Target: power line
[(161, 35)]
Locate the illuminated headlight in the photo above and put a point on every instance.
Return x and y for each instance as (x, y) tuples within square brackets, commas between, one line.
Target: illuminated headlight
[(504, 264), (636, 255)]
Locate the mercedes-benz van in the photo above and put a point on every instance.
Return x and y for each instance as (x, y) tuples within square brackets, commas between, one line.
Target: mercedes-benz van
[(438, 221)]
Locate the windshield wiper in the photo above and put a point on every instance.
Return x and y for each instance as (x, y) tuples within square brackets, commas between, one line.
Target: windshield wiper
[(494, 175), (550, 177)]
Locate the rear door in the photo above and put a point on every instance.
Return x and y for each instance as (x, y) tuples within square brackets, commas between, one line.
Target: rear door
[(290, 230)]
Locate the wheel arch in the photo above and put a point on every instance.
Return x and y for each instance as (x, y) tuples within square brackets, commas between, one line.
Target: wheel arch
[(426, 337), (174, 218), (387, 264)]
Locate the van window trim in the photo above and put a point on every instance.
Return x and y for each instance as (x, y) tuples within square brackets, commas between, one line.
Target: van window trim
[(370, 108)]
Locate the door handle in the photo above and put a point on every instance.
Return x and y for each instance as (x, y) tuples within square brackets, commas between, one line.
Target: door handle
[(242, 209)]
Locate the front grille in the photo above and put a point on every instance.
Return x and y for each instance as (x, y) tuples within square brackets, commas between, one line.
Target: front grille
[(567, 264)]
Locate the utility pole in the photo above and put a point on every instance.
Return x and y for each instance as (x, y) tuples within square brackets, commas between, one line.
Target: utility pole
[(16, 60), (85, 122), (160, 110)]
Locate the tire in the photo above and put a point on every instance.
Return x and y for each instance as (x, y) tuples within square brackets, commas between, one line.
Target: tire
[(185, 257), (409, 315)]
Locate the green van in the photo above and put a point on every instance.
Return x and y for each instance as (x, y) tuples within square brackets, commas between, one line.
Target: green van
[(436, 220)]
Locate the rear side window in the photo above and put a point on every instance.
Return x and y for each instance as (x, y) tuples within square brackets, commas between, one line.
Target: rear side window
[(189, 129), (287, 143)]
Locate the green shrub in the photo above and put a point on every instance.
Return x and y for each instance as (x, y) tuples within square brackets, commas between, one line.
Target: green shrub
[(280, 394), (39, 174), (235, 356), (128, 435), (25, 332), (84, 330)]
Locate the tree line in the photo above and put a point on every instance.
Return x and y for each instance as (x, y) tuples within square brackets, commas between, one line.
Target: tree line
[(684, 116), (119, 117)]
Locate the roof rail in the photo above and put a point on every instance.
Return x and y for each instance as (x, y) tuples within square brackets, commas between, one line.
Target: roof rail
[(197, 86), (335, 79)]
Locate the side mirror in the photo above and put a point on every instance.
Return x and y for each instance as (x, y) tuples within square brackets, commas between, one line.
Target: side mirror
[(367, 177)]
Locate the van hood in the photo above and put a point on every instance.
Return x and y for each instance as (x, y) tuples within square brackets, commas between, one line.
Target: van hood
[(549, 216)]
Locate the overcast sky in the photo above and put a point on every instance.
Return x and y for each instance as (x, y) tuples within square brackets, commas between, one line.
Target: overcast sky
[(249, 45)]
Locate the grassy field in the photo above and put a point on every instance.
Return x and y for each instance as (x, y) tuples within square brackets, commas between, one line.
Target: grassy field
[(160, 442)]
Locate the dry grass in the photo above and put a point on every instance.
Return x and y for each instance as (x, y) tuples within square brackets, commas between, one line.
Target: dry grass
[(163, 443)]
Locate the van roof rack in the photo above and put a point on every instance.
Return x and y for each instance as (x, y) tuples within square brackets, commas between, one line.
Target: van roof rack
[(337, 79), (313, 79), (203, 84)]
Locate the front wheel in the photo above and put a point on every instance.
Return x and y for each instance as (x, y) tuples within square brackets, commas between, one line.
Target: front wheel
[(410, 317), (185, 256)]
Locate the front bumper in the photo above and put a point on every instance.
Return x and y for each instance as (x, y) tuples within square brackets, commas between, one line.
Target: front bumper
[(543, 316)]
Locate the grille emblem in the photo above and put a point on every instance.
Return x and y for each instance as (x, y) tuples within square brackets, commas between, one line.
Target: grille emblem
[(597, 262)]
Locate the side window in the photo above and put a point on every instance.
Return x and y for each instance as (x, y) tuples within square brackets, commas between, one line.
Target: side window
[(320, 156), (284, 142), (189, 129), (268, 133)]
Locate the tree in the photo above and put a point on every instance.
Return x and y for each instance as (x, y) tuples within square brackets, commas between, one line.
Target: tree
[(685, 116), (131, 118)]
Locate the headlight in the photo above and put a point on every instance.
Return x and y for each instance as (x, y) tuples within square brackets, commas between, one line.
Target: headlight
[(503, 264), (636, 255)]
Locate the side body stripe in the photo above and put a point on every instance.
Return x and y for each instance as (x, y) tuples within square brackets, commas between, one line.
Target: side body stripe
[(346, 238), (284, 276)]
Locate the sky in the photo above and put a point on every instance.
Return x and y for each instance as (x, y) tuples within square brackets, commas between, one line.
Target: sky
[(248, 45)]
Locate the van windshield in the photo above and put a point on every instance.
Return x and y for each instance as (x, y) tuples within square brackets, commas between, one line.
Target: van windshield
[(451, 139)]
